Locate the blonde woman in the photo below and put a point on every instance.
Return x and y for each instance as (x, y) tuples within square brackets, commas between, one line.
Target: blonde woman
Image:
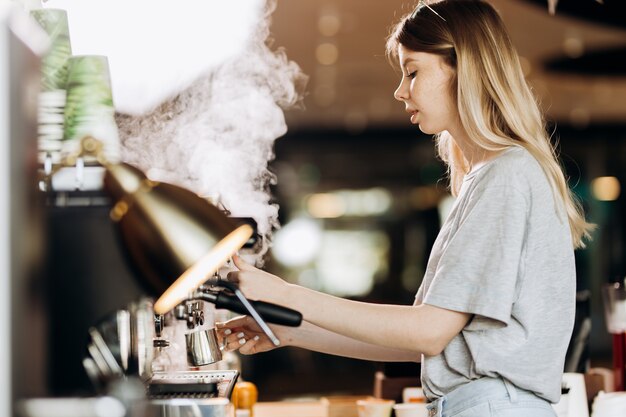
[(493, 317)]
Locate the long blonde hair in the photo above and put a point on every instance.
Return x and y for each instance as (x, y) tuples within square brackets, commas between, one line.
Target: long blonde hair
[(496, 106)]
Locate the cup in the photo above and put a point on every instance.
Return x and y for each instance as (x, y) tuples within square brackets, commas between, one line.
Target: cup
[(611, 404), (89, 109), (55, 61), (614, 296), (414, 409), (413, 395), (374, 407), (203, 348), (54, 70)]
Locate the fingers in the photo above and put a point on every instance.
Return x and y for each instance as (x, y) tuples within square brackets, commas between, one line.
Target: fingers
[(223, 335), (245, 343), (250, 346), (243, 334), (234, 333), (243, 265), (234, 341)]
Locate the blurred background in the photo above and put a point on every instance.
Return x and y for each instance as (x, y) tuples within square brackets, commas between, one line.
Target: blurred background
[(355, 193), (362, 194)]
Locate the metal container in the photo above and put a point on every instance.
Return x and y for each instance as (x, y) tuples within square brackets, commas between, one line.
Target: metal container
[(203, 348)]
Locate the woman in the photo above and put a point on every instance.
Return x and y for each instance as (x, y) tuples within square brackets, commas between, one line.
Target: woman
[(493, 317)]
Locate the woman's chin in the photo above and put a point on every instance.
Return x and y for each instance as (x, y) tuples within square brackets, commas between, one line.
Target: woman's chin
[(425, 129)]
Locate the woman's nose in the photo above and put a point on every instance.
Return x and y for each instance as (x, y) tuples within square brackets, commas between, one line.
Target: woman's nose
[(402, 92)]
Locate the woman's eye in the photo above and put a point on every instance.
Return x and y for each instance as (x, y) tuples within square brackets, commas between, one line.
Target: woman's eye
[(412, 74)]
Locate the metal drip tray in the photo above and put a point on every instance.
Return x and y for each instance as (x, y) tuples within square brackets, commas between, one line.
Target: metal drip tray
[(184, 407), (192, 384)]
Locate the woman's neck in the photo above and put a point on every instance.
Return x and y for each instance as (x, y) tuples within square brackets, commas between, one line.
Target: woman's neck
[(473, 154)]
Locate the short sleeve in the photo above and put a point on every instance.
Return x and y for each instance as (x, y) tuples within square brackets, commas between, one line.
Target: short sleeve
[(480, 263)]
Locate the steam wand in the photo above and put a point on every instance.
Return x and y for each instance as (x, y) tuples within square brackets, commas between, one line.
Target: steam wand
[(272, 312)]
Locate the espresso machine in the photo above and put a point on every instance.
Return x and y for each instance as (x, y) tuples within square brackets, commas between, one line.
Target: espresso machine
[(58, 256), (160, 356), (176, 357)]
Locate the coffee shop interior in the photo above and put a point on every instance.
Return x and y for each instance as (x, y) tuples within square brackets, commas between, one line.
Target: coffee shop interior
[(281, 114)]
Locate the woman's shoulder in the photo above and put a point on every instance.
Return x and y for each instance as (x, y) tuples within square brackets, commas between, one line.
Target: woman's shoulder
[(515, 167)]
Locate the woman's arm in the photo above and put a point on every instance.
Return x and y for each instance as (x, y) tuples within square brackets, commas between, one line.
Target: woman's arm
[(308, 336), (421, 329)]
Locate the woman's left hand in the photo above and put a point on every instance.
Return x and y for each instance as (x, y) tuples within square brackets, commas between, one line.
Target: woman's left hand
[(256, 284), (244, 334)]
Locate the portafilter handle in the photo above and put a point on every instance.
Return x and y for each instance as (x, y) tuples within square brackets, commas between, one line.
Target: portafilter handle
[(259, 310)]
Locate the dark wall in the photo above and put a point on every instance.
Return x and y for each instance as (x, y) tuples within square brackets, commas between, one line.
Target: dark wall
[(86, 279)]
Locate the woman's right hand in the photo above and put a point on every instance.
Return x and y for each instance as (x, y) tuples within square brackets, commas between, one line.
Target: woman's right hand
[(243, 334)]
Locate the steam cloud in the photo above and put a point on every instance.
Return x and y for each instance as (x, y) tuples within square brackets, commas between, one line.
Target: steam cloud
[(156, 49), (216, 137)]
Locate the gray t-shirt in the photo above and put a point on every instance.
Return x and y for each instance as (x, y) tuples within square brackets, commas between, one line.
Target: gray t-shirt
[(504, 255)]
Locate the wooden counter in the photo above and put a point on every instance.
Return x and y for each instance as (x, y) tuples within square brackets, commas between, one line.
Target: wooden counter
[(343, 406)]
